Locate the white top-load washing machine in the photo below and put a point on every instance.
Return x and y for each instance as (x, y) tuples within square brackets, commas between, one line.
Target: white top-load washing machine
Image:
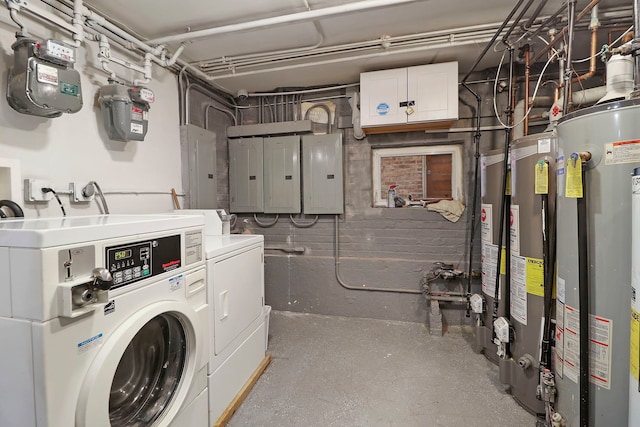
[(239, 319), (103, 322)]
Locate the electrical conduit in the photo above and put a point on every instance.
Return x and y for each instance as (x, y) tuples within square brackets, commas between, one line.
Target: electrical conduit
[(362, 287)]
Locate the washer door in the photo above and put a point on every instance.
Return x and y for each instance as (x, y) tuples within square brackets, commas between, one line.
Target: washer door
[(149, 372), (141, 375)]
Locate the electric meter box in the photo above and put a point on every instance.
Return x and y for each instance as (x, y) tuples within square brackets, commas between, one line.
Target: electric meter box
[(322, 178), (42, 81), (246, 175), (282, 174), (125, 110)]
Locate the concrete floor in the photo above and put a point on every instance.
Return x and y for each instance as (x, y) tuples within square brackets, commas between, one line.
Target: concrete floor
[(336, 371)]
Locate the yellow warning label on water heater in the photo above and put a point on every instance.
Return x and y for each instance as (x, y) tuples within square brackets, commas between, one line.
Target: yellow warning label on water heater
[(535, 276), (574, 178), (542, 177), (635, 343)]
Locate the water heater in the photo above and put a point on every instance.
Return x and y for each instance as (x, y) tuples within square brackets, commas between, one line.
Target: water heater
[(491, 193), (634, 386), (609, 133)]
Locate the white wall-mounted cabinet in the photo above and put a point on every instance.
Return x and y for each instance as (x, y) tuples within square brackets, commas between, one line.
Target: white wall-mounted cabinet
[(414, 98)]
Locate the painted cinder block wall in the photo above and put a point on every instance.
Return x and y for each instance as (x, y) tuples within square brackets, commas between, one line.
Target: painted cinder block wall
[(380, 247)]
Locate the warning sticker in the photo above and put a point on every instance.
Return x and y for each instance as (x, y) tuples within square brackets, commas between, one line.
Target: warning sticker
[(89, 343), (136, 113), (560, 288), (600, 331), (635, 344), (535, 276), (486, 222), (559, 365), (573, 181), (571, 344), (514, 228), (489, 263), (518, 306), (622, 152), (544, 145), (137, 128), (47, 74)]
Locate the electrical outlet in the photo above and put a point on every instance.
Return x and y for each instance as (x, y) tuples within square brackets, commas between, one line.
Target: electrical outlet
[(75, 191), (33, 190)]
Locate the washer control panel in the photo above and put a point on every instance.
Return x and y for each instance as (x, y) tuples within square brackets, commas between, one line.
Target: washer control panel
[(132, 262)]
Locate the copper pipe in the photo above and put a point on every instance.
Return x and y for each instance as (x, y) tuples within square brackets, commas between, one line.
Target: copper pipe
[(527, 77), (592, 61), (559, 36)]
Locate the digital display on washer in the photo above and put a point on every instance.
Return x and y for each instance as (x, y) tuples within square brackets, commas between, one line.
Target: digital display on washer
[(120, 255), (132, 262)]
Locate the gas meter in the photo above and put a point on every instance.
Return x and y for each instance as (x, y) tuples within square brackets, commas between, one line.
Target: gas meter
[(125, 110), (42, 81)]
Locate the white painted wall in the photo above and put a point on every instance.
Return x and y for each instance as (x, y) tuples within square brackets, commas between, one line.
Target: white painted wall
[(75, 147)]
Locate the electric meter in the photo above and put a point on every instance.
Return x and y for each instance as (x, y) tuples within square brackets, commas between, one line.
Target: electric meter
[(42, 81), (125, 111)]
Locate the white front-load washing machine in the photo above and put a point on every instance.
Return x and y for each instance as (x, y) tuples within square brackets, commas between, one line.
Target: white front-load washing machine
[(103, 322)]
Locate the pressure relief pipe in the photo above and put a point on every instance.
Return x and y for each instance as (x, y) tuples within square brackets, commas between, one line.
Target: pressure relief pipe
[(583, 289), (505, 206), (474, 204), (548, 269)]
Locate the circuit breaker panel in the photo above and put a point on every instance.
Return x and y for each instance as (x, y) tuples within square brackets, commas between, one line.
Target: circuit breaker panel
[(198, 160), (322, 174), (246, 175), (282, 174)]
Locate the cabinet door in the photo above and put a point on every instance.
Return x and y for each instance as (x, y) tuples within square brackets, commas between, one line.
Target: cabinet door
[(322, 174), (245, 175), (238, 292), (381, 93), (198, 152), (282, 174), (434, 88)]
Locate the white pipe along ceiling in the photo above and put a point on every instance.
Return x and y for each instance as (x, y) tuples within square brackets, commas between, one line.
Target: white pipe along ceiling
[(259, 46)]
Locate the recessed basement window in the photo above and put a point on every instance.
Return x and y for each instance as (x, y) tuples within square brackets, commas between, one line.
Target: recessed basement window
[(426, 173)]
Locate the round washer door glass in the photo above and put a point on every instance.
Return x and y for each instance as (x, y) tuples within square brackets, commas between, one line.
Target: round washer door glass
[(149, 373)]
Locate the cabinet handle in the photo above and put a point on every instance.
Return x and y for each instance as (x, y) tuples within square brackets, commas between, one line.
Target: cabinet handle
[(224, 305)]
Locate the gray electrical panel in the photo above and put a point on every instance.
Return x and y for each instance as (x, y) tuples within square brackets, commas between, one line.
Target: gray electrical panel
[(198, 158), (245, 175), (322, 174), (282, 174)]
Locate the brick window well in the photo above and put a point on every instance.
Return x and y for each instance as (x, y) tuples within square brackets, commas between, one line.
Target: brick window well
[(425, 172)]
